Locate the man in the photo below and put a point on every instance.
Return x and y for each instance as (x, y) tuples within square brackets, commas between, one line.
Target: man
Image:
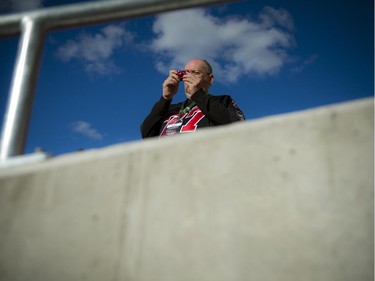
[(199, 110)]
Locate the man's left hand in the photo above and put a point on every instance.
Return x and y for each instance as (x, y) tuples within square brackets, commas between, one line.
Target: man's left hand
[(193, 83)]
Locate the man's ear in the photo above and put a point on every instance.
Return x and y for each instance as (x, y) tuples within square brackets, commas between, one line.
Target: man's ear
[(212, 78)]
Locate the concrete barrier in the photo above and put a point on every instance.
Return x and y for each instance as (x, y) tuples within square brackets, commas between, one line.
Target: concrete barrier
[(288, 197)]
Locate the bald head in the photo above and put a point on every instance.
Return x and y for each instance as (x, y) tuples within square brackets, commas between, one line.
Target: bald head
[(203, 69), (202, 64)]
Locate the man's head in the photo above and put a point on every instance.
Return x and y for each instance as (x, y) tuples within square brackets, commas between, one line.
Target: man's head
[(201, 68)]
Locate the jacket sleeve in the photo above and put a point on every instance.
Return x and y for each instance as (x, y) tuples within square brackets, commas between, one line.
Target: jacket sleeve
[(219, 109), (152, 124)]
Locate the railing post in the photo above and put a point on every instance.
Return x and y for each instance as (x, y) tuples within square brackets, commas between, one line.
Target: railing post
[(22, 89)]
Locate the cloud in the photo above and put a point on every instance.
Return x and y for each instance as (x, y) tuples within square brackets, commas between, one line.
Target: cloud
[(235, 46), (95, 51), (304, 64), (84, 128)]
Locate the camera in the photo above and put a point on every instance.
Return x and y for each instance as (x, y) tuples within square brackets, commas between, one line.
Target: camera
[(181, 73)]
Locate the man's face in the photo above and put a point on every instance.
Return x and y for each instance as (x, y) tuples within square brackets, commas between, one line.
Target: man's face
[(200, 69)]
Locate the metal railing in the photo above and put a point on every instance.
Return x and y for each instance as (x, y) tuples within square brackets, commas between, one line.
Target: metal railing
[(32, 26)]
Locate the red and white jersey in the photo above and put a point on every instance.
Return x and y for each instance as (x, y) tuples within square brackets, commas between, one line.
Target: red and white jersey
[(187, 123), (164, 118)]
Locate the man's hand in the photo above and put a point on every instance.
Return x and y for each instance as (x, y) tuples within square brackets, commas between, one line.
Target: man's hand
[(170, 85), (193, 83)]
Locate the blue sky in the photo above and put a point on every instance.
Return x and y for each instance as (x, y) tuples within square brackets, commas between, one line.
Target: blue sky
[(97, 83)]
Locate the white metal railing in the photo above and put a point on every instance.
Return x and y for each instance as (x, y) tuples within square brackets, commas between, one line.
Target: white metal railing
[(32, 26)]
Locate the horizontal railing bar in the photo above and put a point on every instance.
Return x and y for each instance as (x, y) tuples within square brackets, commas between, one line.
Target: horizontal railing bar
[(95, 12)]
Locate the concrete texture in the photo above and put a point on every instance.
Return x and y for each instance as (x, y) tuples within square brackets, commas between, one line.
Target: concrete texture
[(282, 198)]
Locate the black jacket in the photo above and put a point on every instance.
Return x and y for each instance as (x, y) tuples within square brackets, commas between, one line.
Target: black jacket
[(208, 111)]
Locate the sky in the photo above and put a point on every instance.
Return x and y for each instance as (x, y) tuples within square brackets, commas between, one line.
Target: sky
[(97, 83)]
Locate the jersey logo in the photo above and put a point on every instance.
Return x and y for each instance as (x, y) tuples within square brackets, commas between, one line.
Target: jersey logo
[(173, 125)]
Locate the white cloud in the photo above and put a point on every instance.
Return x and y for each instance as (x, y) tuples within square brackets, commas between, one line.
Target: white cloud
[(84, 128), (95, 50), (234, 46), (271, 17), (305, 63)]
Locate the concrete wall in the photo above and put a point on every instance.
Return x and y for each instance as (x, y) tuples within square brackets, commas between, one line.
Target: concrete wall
[(283, 198)]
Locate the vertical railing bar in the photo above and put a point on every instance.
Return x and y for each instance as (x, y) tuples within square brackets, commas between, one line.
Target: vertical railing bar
[(22, 88)]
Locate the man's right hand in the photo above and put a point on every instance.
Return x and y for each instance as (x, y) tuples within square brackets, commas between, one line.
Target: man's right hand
[(170, 85)]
